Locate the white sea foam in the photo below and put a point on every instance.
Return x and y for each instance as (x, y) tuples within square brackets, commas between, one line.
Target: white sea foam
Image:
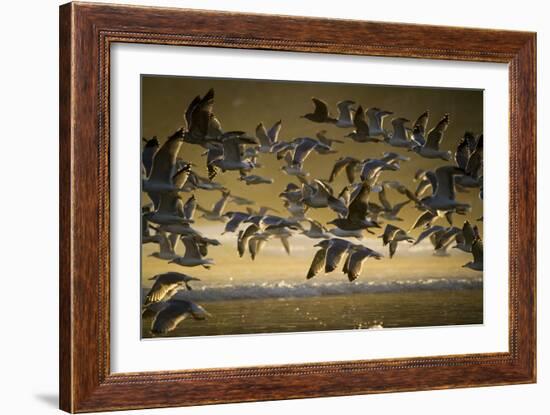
[(313, 289)]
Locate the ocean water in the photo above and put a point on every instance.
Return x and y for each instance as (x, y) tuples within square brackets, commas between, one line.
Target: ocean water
[(272, 295), (259, 310)]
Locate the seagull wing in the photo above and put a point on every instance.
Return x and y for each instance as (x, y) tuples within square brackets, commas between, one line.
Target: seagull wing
[(422, 122), (148, 154), (344, 111), (358, 208), (321, 108), (389, 233), (383, 199), (435, 135), (339, 165), (252, 247), (170, 317), (261, 133), (360, 122), (162, 287), (355, 263), (462, 154), (398, 206), (189, 208), (191, 248), (393, 248), (335, 253), (286, 244), (234, 222), (316, 226), (180, 178), (302, 151), (445, 188), (427, 233), (468, 233), (423, 219), (477, 251), (244, 236), (201, 115), (165, 159), (219, 206), (273, 133), (474, 165), (317, 264), (168, 203), (231, 149), (189, 111), (350, 170)]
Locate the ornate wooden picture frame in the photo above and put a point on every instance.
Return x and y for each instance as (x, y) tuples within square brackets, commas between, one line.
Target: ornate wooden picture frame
[(87, 32)]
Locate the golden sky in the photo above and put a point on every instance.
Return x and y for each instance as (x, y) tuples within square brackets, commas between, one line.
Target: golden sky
[(242, 104)]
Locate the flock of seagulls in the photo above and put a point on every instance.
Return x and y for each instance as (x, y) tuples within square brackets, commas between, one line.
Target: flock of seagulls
[(170, 183)]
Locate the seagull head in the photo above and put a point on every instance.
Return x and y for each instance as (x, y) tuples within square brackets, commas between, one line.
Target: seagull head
[(323, 244)]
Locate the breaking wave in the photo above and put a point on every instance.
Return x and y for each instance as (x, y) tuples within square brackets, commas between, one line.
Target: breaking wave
[(314, 289)]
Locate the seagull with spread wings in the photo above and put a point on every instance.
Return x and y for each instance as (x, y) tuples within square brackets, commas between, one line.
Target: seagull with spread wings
[(268, 138), (167, 285), (431, 148), (345, 114), (203, 127), (375, 120), (320, 114), (362, 132), (357, 217), (193, 256), (173, 312)]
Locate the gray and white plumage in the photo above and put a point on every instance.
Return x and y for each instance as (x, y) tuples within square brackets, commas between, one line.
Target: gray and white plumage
[(400, 136), (148, 153), (349, 164), (166, 285), (477, 253), (173, 313), (322, 137), (392, 236), (431, 148), (357, 217), (203, 127), (216, 213), (231, 158), (356, 258), (345, 114), (316, 230), (320, 113), (268, 138), (193, 256), (390, 211), (235, 219), (375, 120), (362, 132), (253, 179), (333, 252), (443, 198)]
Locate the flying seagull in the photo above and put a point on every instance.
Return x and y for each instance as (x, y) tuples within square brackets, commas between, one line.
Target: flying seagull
[(174, 312), (320, 114), (166, 286)]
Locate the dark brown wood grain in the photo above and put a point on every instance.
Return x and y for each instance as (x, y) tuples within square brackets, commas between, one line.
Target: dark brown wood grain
[(86, 33)]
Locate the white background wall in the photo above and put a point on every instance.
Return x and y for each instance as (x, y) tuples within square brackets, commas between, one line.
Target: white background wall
[(29, 170)]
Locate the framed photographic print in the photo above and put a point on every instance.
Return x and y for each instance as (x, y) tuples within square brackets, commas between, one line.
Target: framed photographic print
[(255, 209)]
